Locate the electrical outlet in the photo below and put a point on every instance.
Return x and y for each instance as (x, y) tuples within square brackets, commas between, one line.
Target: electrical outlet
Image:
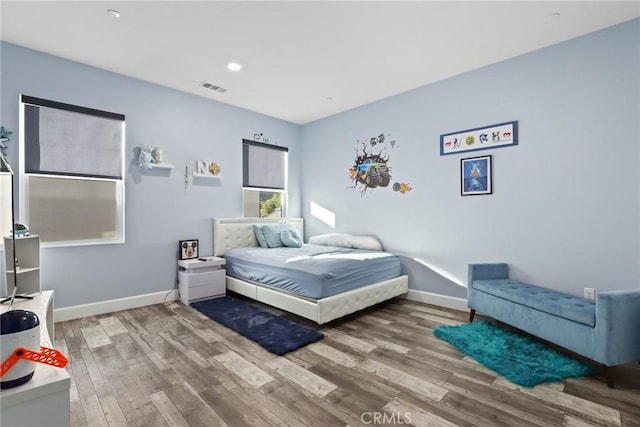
[(589, 293)]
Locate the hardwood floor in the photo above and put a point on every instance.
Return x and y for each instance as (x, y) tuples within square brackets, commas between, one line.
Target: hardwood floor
[(169, 365)]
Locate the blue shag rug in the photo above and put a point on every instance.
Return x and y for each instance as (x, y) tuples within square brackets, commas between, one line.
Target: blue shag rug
[(274, 333), (519, 358)]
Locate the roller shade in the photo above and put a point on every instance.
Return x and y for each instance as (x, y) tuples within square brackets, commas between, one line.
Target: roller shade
[(264, 165), (63, 139)]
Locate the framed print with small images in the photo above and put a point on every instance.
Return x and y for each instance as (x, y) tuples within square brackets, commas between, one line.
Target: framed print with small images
[(484, 138), (189, 249), (475, 176)]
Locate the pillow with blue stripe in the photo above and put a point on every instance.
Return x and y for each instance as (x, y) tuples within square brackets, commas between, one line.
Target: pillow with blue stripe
[(273, 235), (259, 232), (291, 238)]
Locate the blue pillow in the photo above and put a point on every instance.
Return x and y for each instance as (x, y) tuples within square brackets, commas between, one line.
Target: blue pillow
[(272, 235), (291, 238), (259, 232)]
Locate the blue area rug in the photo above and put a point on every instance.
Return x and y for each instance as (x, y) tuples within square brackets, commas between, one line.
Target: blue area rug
[(274, 333), (519, 358)]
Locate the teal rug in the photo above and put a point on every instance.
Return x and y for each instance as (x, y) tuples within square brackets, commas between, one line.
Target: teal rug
[(519, 358)]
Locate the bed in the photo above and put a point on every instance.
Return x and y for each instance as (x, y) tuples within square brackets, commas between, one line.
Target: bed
[(321, 302)]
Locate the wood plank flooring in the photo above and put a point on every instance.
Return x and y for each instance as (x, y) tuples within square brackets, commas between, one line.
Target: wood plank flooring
[(169, 365)]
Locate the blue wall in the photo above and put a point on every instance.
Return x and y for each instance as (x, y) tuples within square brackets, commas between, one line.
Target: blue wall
[(565, 212), (565, 208), (158, 213)]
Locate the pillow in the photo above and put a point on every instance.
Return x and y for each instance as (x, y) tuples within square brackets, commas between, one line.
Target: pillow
[(291, 238), (272, 235), (345, 240), (259, 232)]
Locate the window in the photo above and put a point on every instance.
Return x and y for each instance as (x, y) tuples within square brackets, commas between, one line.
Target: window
[(71, 169), (264, 186)]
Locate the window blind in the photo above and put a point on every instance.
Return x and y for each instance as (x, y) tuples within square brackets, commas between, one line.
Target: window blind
[(264, 165), (63, 139), (73, 173)]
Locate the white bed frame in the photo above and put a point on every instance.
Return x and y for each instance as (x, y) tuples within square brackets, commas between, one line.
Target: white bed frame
[(231, 233)]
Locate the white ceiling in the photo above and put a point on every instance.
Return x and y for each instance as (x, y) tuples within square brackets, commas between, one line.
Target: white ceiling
[(303, 60)]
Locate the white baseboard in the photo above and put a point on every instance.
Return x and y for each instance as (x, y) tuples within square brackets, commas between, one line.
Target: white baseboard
[(110, 306), (435, 299)]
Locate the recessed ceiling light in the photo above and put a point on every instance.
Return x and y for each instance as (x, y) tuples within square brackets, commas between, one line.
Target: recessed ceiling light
[(113, 13), (553, 15), (234, 66)]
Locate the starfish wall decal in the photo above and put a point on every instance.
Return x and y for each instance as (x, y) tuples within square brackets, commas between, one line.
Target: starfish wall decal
[(4, 137)]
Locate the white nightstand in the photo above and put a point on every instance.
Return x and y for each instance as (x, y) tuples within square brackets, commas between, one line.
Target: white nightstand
[(199, 280)]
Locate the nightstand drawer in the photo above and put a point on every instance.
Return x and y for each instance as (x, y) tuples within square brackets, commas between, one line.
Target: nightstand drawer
[(206, 291), (206, 284), (205, 278)]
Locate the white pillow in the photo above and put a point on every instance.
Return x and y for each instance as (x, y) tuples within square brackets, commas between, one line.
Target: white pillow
[(345, 240)]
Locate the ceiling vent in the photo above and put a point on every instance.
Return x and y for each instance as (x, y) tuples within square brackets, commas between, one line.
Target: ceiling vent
[(213, 87)]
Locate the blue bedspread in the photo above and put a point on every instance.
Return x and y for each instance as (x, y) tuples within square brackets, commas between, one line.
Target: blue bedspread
[(312, 271)]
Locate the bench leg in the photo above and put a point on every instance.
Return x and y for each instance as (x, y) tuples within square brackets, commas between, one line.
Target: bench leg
[(473, 313), (608, 375)]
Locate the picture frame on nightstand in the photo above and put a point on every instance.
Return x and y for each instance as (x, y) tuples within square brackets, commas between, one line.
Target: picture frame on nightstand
[(188, 249)]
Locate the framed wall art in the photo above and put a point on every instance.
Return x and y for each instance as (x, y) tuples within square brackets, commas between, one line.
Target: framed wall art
[(189, 249), (484, 138), (475, 176)]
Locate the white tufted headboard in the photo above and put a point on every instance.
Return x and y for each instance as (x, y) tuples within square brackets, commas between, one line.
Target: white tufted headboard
[(231, 233)]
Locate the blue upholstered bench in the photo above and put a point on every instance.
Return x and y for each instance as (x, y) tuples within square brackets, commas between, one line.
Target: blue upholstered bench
[(606, 330)]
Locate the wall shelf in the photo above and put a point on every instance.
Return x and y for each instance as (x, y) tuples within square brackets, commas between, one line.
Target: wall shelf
[(24, 270), (211, 179), (207, 176), (162, 166)]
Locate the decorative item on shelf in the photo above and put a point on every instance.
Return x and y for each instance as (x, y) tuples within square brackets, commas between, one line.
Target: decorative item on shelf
[(201, 167), (146, 159), (157, 154), (4, 137), (150, 157), (207, 173), (214, 168), (188, 249), (20, 230), (206, 168)]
